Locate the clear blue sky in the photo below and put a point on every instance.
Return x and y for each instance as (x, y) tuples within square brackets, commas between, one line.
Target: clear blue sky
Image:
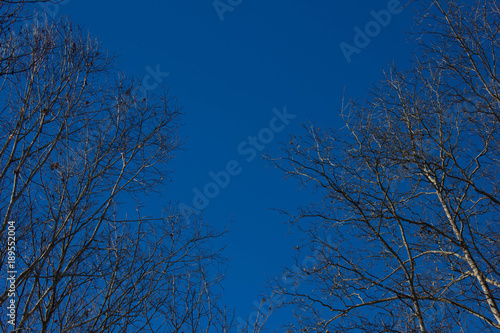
[(228, 76)]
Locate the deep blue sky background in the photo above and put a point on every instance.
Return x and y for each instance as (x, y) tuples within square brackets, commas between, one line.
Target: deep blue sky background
[(228, 76)]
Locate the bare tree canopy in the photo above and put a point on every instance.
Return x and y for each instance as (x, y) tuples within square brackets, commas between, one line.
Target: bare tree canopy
[(405, 235), (14, 12), (77, 142)]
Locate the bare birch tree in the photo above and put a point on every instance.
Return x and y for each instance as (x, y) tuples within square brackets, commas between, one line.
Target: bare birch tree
[(405, 233), (78, 144)]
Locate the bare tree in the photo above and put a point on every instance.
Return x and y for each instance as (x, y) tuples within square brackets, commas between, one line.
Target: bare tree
[(403, 234), (16, 15), (78, 145)]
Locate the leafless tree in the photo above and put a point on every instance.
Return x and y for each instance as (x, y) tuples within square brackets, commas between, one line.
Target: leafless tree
[(403, 233), (16, 15), (78, 145)]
